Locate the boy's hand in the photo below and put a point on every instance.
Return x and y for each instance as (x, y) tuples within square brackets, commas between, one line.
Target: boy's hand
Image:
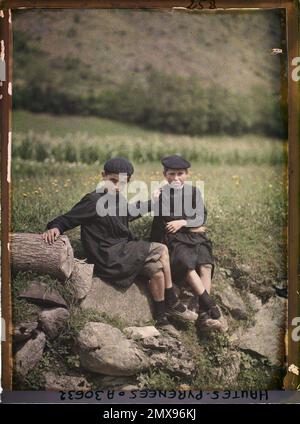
[(198, 229), (50, 236), (155, 194), (174, 226)]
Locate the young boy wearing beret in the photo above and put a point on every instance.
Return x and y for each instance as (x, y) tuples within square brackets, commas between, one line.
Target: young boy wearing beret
[(178, 223)]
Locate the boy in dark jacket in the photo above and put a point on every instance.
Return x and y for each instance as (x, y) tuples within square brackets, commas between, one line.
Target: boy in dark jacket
[(117, 255), (179, 224)]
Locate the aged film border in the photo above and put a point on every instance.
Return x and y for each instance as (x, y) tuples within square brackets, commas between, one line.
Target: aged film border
[(291, 8)]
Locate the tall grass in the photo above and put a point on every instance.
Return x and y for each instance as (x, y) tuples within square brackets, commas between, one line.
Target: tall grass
[(89, 149)]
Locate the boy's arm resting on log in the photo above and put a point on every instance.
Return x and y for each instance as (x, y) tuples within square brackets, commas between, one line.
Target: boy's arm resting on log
[(83, 211)]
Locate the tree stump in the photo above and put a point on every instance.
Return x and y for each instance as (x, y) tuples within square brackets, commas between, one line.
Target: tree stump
[(29, 252)]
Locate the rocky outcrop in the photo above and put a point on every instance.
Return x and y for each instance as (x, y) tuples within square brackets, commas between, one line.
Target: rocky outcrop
[(81, 278), (112, 358), (104, 349), (107, 382), (168, 354), (65, 382), (29, 355), (227, 374), (132, 306), (43, 295), (141, 332), (53, 321), (266, 337), (231, 300), (24, 331)]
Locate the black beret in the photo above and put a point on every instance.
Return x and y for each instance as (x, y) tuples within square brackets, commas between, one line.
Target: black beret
[(118, 166), (175, 162)]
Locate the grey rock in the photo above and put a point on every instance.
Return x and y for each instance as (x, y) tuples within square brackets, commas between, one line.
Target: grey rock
[(170, 355), (24, 331), (43, 295), (116, 383), (266, 337), (254, 302), (132, 306), (81, 278), (141, 332), (208, 325), (226, 375), (262, 290), (53, 321), (171, 364), (245, 268), (163, 343), (65, 382), (232, 300), (29, 355), (129, 387), (171, 330), (105, 350)]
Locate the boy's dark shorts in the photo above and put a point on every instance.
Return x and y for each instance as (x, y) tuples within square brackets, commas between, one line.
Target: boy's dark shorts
[(153, 263)]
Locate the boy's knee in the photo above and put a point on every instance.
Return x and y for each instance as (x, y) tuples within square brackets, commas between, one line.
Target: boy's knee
[(159, 275), (206, 266), (164, 251)]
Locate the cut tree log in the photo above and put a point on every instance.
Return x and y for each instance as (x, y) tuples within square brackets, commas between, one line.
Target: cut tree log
[(29, 252)]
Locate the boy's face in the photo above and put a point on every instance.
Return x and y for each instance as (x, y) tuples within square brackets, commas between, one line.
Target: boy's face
[(176, 177), (115, 182)]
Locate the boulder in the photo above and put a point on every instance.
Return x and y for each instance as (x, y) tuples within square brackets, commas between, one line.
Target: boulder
[(141, 332), (169, 355), (173, 365), (231, 299), (132, 306), (65, 382), (43, 295), (263, 290), (254, 302), (29, 355), (266, 337), (24, 331), (53, 321), (105, 350), (81, 278)]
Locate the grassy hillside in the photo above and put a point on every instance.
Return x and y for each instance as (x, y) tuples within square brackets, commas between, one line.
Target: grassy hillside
[(91, 49), (169, 71), (40, 123)]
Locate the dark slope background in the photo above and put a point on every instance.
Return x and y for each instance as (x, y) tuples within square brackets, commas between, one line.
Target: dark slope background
[(117, 64)]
